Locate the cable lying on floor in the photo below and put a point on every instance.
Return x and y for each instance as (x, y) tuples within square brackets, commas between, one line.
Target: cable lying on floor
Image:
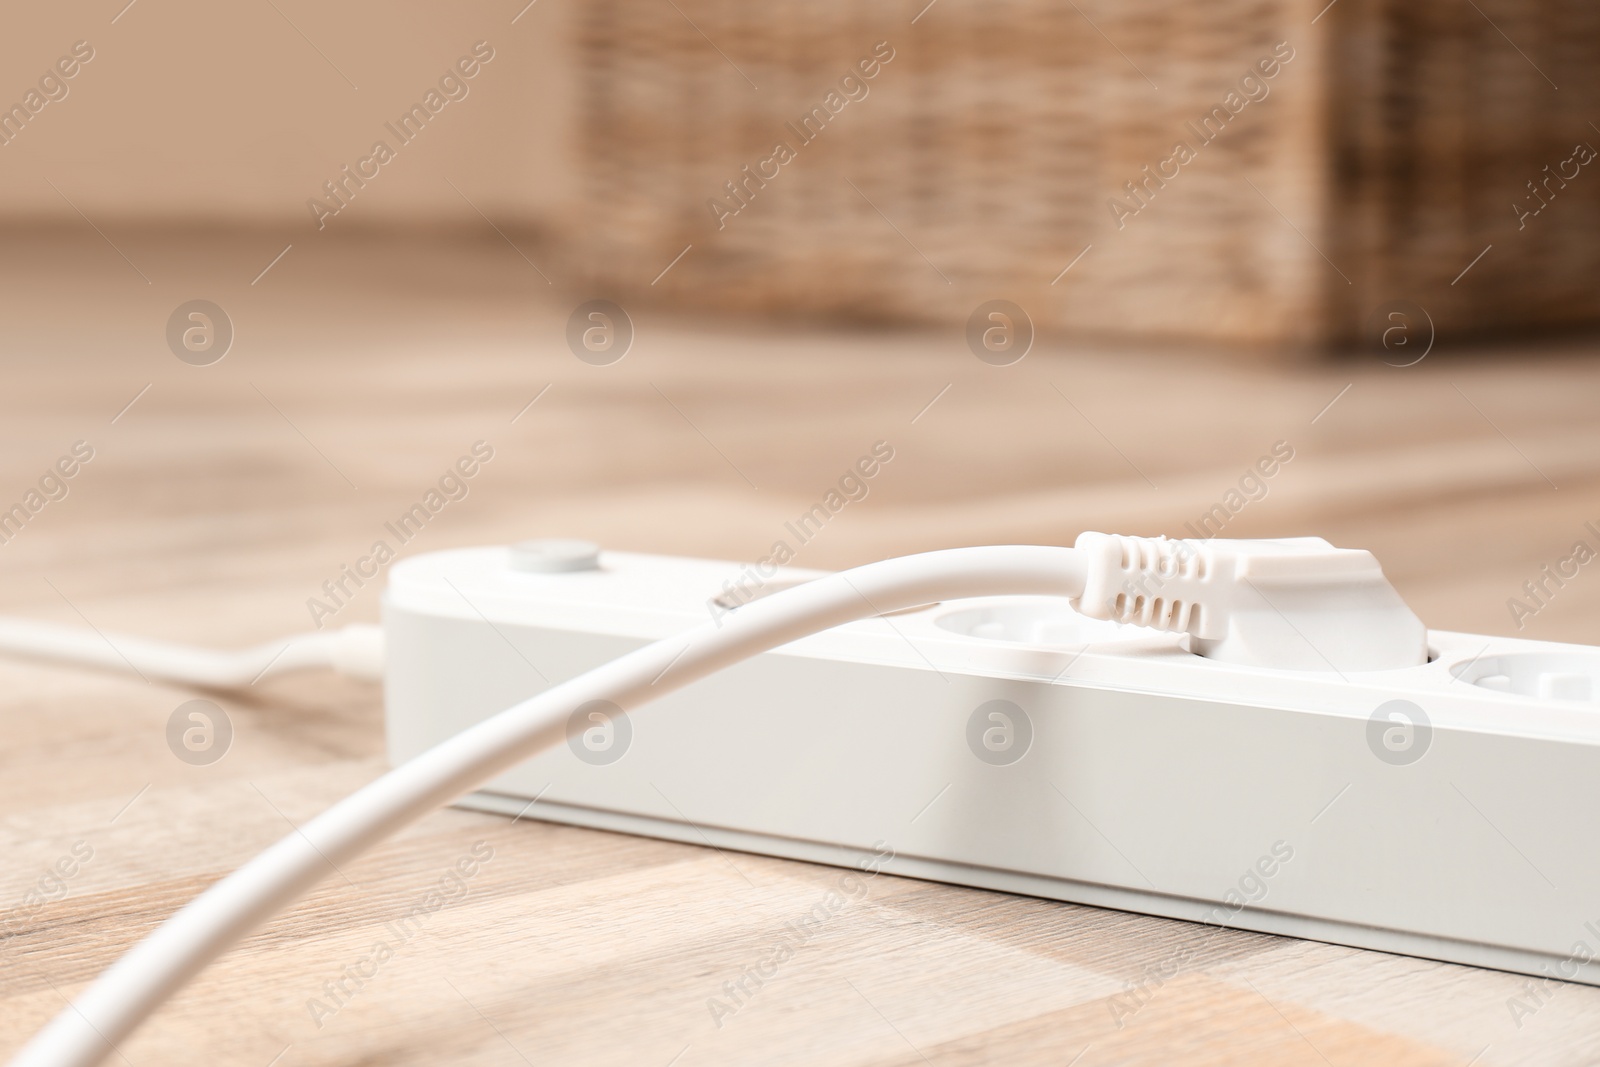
[(120, 999), (356, 651), (1215, 592)]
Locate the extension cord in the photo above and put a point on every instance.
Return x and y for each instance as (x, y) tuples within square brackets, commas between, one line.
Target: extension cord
[(1410, 810), (1192, 752)]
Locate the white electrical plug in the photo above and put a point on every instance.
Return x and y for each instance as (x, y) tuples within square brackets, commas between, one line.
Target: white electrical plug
[(1295, 604)]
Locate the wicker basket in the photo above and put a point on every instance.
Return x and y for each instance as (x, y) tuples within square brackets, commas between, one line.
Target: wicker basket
[(994, 140)]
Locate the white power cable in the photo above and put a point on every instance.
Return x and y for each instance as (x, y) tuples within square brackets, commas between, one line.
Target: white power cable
[(354, 650), (120, 999)]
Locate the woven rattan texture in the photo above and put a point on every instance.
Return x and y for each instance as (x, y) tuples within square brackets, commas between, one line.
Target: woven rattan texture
[(1333, 159)]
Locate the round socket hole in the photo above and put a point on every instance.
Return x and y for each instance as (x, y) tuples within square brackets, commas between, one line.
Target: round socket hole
[(1044, 623), (1572, 677)]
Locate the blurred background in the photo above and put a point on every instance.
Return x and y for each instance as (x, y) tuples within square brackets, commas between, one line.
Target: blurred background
[(1082, 265), (679, 264), (1267, 174), (683, 261)]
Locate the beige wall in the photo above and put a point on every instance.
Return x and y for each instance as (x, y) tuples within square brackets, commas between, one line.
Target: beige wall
[(202, 112)]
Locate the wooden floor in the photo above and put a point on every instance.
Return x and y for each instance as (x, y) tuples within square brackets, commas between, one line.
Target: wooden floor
[(223, 497)]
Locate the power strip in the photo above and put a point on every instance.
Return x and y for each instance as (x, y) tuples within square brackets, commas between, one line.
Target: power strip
[(1010, 743)]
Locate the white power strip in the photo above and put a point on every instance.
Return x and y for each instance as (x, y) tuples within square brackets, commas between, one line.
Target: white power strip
[(1442, 810), (1279, 745)]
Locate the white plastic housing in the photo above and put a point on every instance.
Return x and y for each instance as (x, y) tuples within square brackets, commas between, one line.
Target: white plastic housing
[(1443, 809)]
